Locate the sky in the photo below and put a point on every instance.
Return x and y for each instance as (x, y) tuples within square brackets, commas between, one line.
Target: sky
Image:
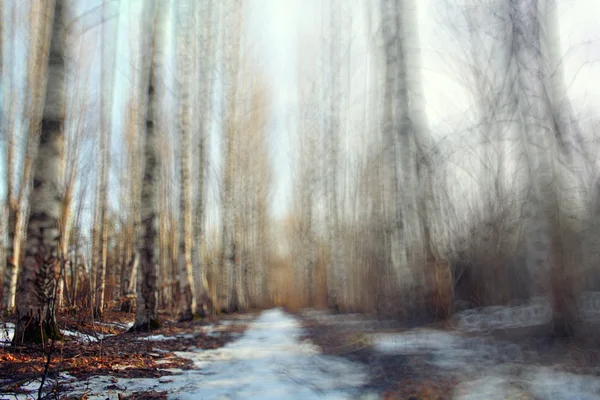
[(283, 34)]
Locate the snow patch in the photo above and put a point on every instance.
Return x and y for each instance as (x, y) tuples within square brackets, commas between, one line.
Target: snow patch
[(83, 337), (162, 338), (489, 364), (549, 384), (6, 333), (488, 388), (536, 382), (157, 338), (119, 325), (416, 341)]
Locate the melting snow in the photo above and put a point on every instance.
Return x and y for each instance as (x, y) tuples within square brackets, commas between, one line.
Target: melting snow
[(415, 341), (83, 337), (157, 338), (483, 360), (269, 361), (7, 331)]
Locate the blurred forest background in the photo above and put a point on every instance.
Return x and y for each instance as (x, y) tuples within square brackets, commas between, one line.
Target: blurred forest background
[(414, 159)]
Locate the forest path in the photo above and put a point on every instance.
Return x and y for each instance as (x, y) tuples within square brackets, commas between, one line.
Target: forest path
[(269, 361)]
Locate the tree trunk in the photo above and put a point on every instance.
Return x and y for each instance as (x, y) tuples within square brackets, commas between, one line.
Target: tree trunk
[(105, 140), (36, 289), (204, 48), (186, 278), (410, 242), (146, 314), (133, 176), (37, 68), (233, 288), (13, 260), (332, 171), (542, 211), (65, 225)]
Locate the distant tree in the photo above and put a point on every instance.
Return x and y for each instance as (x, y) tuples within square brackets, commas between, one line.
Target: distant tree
[(187, 285), (205, 45), (235, 296), (106, 96)]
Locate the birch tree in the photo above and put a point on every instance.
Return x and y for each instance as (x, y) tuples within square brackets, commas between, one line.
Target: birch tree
[(187, 286), (407, 145), (146, 314), (307, 189), (391, 125), (106, 85), (205, 48), (232, 284), (36, 289), (135, 143), (252, 183), (541, 141), (18, 189), (331, 136)]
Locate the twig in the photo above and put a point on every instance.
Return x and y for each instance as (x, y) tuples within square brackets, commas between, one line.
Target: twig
[(46, 368)]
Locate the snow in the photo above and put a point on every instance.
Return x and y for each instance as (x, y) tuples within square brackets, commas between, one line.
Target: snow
[(157, 338), (7, 332), (549, 384), (535, 312), (491, 366), (119, 325), (161, 338), (488, 388), (353, 322), (536, 382), (415, 341), (85, 338), (450, 350), (269, 361)]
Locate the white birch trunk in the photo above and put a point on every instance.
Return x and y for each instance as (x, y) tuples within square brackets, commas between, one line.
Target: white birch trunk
[(36, 289), (146, 315), (187, 286)]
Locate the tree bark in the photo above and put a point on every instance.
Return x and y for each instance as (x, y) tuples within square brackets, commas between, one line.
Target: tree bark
[(102, 203), (18, 205), (187, 286), (205, 47), (542, 141), (36, 289), (146, 314), (231, 255)]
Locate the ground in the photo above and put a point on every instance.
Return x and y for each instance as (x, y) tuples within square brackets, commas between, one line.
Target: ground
[(274, 354), (93, 348), (441, 362)]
